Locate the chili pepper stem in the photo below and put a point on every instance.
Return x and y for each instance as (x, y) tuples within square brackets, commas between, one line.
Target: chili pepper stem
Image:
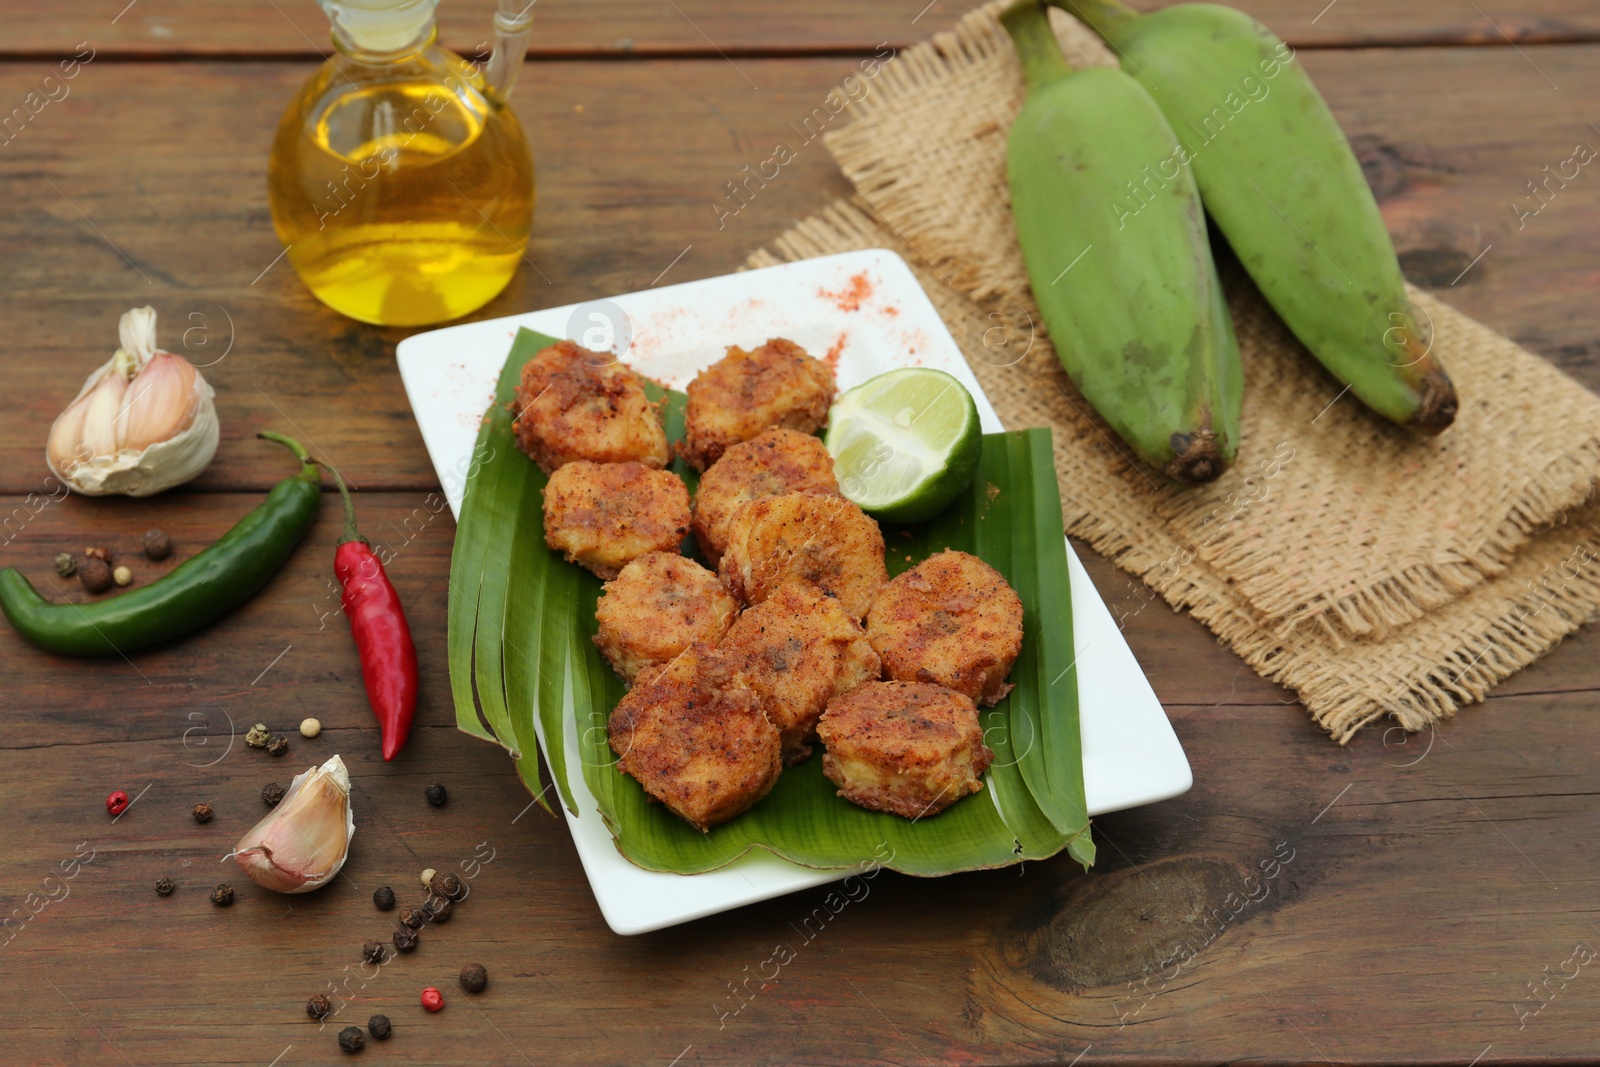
[(350, 531), (294, 446), (308, 466)]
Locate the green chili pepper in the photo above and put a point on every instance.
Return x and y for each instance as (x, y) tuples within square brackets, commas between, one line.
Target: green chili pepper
[(197, 592)]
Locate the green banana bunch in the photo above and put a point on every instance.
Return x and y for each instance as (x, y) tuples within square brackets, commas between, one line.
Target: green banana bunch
[(1138, 320), (1283, 185)]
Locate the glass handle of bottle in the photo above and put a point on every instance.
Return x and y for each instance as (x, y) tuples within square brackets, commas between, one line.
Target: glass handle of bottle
[(511, 24)]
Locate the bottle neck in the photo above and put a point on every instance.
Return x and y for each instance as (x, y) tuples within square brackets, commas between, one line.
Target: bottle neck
[(361, 49), (381, 31)]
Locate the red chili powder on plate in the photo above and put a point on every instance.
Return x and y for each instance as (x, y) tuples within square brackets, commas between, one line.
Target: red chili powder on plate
[(832, 358), (857, 289)]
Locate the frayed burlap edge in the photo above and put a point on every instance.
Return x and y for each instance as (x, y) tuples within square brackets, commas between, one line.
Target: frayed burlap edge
[(1378, 607), (1450, 657)]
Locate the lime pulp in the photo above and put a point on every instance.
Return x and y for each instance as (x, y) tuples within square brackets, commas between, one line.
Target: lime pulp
[(905, 444)]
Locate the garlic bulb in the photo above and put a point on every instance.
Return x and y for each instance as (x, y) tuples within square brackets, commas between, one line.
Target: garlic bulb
[(144, 422), (303, 842)]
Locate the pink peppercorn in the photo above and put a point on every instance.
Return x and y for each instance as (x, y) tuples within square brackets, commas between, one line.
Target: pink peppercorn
[(117, 802), (432, 999)]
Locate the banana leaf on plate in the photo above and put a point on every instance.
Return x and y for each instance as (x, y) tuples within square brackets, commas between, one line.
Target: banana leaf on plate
[(522, 663)]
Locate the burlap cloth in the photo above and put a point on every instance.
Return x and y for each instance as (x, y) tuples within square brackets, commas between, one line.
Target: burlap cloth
[(1371, 570)]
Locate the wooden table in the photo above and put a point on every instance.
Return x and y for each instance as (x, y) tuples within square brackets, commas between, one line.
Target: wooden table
[(1432, 882)]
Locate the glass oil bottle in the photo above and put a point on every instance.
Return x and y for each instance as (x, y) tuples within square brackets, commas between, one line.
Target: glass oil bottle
[(400, 182)]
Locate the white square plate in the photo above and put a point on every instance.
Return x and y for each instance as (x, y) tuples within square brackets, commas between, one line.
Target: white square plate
[(867, 313)]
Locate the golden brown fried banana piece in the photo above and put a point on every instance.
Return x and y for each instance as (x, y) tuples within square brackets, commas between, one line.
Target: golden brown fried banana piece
[(903, 747), (744, 393), (799, 650), (951, 620), (773, 462), (659, 605), (574, 404), (695, 737), (602, 515), (824, 541)]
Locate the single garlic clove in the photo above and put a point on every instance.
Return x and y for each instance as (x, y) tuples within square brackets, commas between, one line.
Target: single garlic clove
[(120, 424), (65, 450), (162, 401), (302, 843), (104, 402)]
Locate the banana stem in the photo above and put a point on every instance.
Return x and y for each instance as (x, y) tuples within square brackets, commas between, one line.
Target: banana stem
[(1029, 27), (1108, 18)]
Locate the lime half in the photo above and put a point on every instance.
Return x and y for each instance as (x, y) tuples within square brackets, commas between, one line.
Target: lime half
[(905, 444)]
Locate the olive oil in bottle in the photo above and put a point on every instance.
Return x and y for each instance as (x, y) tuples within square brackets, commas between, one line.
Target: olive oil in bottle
[(400, 181)]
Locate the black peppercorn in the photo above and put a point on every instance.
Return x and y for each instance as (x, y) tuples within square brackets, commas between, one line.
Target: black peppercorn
[(438, 909), (157, 545), (95, 574), (164, 887), (378, 1027), (383, 897), (319, 1006), (447, 885), (474, 979), (222, 896), (202, 813), (351, 1039), (405, 938), (414, 918), (271, 794), (436, 795), (277, 745), (372, 952)]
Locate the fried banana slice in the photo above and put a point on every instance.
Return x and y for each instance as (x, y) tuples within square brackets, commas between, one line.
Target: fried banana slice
[(744, 393), (659, 605), (695, 737), (824, 541), (951, 620), (574, 404), (903, 747), (773, 462), (799, 649), (603, 515)]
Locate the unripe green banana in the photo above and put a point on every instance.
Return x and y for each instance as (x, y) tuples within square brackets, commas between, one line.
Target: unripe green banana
[(1138, 321), (1279, 177)]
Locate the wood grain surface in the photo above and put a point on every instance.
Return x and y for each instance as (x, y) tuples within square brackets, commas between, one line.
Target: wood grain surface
[(773, 27), (1428, 893), (171, 210)]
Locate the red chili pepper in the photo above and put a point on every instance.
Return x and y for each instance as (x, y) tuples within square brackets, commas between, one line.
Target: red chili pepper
[(378, 623)]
